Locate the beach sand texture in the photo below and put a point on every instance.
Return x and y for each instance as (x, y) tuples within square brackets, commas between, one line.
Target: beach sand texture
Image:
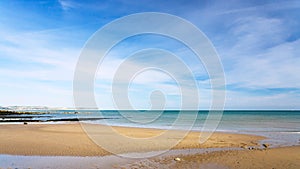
[(71, 140), (277, 158)]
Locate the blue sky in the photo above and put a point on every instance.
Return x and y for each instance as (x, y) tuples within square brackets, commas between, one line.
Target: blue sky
[(257, 42)]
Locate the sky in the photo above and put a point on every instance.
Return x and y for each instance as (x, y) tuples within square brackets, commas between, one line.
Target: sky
[(257, 42)]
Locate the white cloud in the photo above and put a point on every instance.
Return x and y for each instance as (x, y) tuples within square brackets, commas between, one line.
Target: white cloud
[(35, 68), (253, 34), (261, 58), (276, 67), (40, 59), (141, 85), (238, 100), (67, 4), (265, 7)]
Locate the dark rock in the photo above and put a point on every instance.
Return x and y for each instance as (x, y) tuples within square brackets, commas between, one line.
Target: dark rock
[(266, 145), (250, 148)]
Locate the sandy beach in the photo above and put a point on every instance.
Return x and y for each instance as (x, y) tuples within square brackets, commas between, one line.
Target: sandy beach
[(275, 158), (71, 140)]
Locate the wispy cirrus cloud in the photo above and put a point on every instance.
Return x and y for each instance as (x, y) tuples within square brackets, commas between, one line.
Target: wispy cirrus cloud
[(32, 66), (261, 56), (273, 6), (68, 4), (261, 63)]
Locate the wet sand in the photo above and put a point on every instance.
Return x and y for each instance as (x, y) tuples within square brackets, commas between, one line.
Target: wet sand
[(275, 158)]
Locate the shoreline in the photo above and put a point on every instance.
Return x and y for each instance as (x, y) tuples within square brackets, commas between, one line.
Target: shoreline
[(71, 140), (67, 146)]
